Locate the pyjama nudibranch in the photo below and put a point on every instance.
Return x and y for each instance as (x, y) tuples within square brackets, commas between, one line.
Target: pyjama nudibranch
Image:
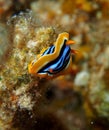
[(55, 60)]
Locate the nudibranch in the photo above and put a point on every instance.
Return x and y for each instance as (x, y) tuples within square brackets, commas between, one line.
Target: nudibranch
[(55, 60)]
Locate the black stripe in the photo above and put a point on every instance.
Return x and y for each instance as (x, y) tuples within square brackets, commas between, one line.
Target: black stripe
[(65, 61), (54, 61), (48, 51)]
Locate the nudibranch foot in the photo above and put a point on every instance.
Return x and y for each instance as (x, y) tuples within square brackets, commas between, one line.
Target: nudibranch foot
[(74, 51)]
